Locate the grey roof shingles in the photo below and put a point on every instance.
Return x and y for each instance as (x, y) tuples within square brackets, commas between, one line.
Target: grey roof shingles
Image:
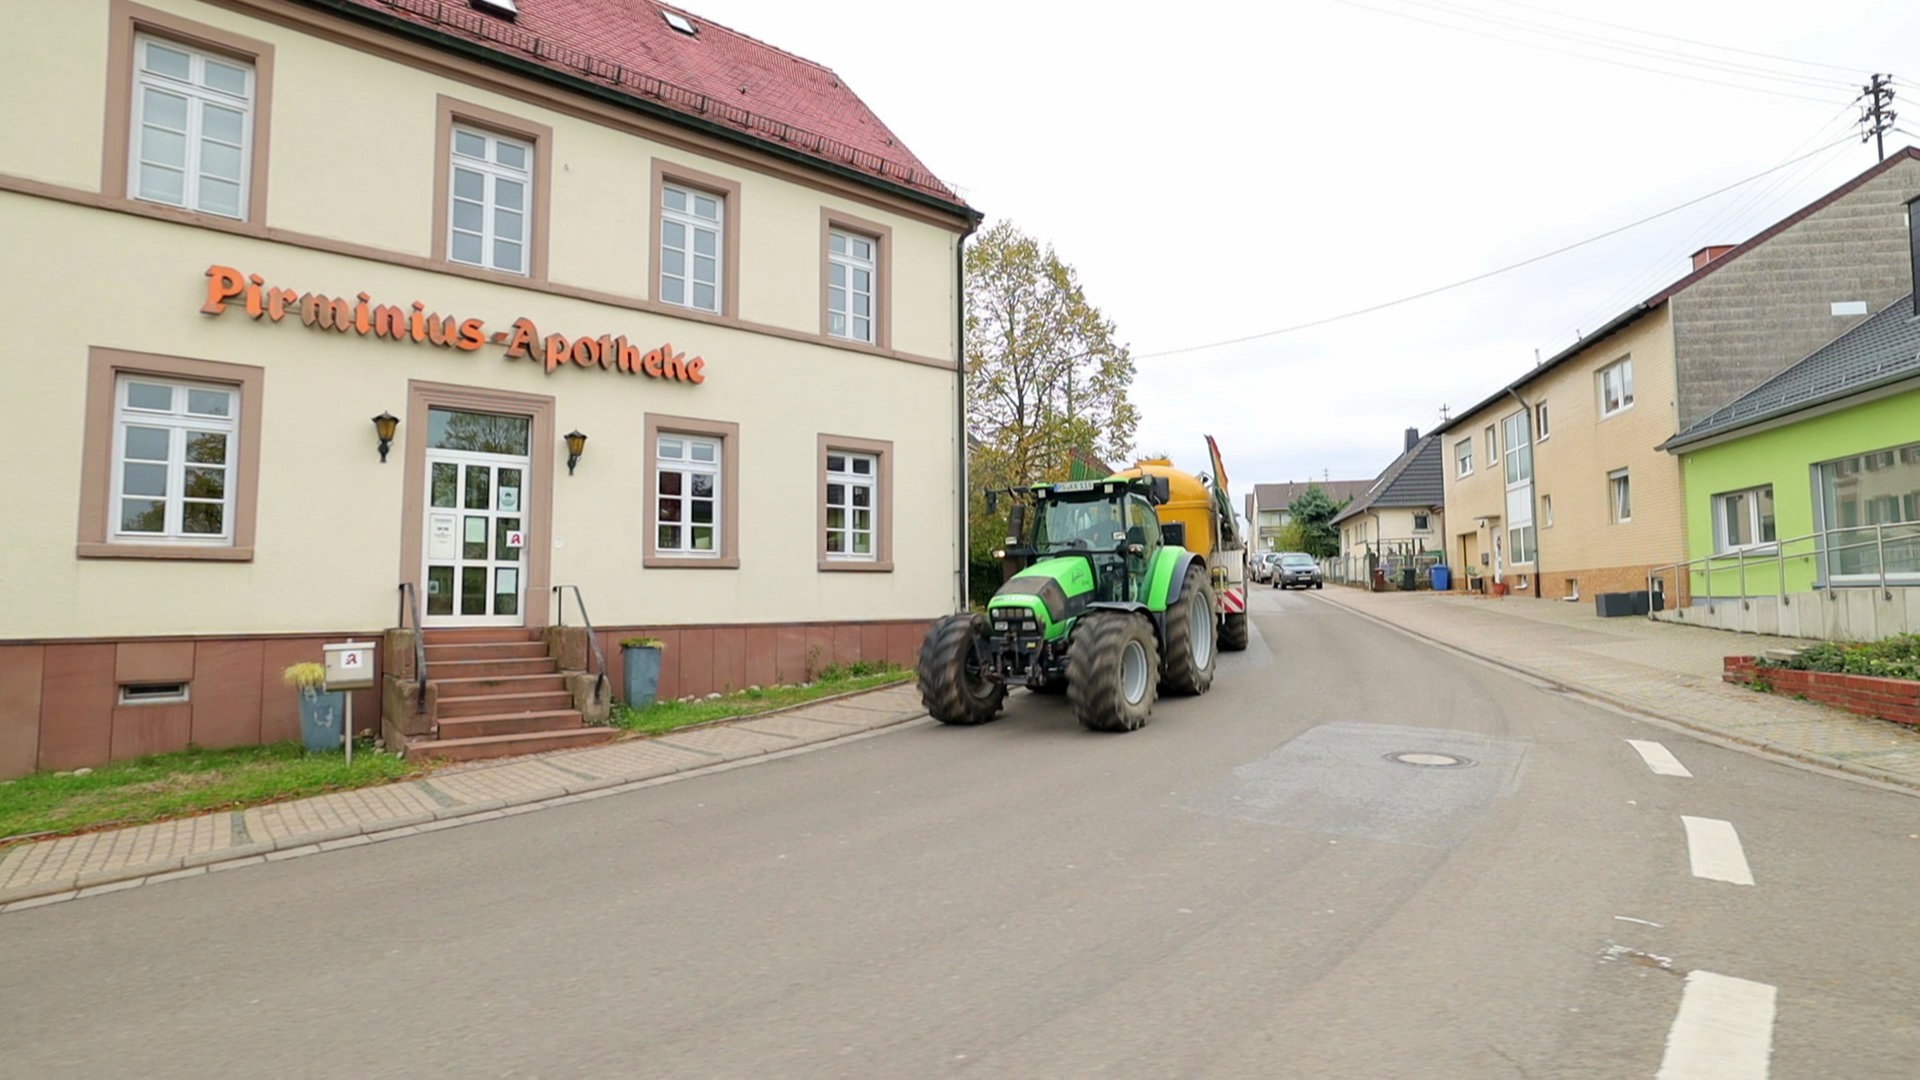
[(1414, 479), (1280, 496), (1884, 349)]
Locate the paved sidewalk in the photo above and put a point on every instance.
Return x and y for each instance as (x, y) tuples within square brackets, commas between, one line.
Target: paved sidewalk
[(1660, 669), (50, 871)]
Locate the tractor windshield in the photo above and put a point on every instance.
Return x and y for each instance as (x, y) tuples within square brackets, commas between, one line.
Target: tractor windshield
[(1086, 525)]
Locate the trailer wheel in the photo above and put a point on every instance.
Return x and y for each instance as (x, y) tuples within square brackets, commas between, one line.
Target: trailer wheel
[(952, 686), (1233, 632), (1111, 669)]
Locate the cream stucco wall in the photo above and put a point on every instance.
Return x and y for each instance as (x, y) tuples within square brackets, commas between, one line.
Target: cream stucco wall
[(329, 513), (1570, 466), (354, 159)]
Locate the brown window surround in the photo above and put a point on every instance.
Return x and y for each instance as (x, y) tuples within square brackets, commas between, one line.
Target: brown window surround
[(882, 561), (728, 192), (125, 20), (728, 433), (538, 508), (882, 237), (451, 111), (104, 367)]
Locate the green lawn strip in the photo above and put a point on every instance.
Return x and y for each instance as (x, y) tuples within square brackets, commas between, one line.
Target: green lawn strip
[(190, 782), (664, 716)]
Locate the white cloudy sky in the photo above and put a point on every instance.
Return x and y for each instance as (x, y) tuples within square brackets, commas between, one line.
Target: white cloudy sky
[(1218, 169)]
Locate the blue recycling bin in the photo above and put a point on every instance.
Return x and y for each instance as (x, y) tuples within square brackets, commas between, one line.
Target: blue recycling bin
[(1442, 578)]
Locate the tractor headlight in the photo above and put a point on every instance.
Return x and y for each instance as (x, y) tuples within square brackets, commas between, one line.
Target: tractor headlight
[(1029, 625), (1000, 625)]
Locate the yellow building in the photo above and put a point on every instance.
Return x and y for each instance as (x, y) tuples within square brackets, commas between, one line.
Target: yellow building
[(1555, 484), (647, 307)]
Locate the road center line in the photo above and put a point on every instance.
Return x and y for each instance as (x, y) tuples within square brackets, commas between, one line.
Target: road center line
[(1658, 758), (1724, 1030), (1714, 849)]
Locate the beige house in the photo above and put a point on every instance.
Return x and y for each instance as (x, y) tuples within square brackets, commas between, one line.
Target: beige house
[(1397, 523), (1555, 485), (643, 309)]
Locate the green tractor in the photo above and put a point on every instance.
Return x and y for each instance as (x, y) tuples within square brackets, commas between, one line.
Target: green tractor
[(1105, 609)]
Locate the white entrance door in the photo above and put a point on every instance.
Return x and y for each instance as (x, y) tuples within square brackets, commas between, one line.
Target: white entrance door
[(476, 540)]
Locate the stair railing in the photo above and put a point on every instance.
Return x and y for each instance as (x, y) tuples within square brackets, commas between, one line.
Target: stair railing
[(410, 599), (596, 659)]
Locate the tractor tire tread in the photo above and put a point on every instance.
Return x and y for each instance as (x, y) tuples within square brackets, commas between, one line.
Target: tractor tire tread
[(1094, 670), (942, 673), (1233, 632), (1182, 674)]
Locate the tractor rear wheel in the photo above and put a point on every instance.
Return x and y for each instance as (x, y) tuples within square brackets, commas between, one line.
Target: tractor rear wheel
[(1233, 632), (1190, 636), (1112, 666), (952, 686)]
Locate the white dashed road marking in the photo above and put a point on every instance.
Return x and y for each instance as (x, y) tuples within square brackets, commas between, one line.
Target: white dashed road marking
[(1724, 1030), (1658, 758), (1714, 849)]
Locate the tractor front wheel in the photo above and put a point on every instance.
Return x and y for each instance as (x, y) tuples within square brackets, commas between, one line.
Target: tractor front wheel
[(1190, 636), (1112, 666), (1233, 632), (952, 686)]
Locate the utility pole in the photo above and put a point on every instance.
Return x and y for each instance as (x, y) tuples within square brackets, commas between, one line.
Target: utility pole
[(1877, 111)]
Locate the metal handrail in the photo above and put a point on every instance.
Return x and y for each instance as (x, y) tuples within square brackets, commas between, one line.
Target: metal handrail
[(598, 658), (409, 594), (1775, 551)]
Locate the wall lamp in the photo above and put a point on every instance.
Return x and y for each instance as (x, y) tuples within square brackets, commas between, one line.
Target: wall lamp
[(576, 445), (384, 426)]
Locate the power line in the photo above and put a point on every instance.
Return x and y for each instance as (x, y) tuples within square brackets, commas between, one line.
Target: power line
[(1488, 274), (1731, 67), (1673, 37), (1584, 56)]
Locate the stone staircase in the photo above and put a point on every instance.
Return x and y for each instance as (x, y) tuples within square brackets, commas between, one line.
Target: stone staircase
[(491, 692)]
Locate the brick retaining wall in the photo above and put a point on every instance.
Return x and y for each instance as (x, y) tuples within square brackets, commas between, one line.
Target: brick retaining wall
[(1885, 699)]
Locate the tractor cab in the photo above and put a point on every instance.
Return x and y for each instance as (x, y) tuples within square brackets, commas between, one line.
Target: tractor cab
[(1112, 526)]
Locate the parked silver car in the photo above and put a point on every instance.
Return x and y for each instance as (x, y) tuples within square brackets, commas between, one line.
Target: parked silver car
[(1260, 566)]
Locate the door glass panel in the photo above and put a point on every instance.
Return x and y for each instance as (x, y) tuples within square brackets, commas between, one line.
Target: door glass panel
[(446, 480), (501, 527), (507, 495), (474, 543), (486, 433), (473, 590), (439, 590), (506, 591), (479, 487)]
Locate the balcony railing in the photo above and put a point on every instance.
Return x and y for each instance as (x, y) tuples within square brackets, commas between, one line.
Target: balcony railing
[(1878, 556)]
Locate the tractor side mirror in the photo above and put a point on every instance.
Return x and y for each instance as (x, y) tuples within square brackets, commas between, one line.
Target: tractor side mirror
[(1174, 534), (993, 501), (1017, 523), (1162, 490)]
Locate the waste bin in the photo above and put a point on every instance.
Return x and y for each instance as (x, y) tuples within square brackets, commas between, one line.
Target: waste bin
[(1442, 578), (1408, 577)]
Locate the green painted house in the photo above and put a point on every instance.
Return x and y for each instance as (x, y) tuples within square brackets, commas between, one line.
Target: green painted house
[(1809, 484)]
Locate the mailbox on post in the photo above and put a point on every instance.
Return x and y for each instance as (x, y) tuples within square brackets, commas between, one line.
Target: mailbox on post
[(349, 667)]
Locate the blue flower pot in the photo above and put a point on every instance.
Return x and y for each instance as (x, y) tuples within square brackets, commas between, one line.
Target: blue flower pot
[(323, 715), (641, 668)]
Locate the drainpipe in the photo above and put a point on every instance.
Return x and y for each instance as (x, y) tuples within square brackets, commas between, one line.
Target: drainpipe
[(963, 547), (1533, 487)]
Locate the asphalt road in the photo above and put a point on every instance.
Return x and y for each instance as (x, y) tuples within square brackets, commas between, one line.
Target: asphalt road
[(1247, 887)]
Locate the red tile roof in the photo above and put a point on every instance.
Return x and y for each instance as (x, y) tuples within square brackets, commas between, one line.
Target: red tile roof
[(719, 75)]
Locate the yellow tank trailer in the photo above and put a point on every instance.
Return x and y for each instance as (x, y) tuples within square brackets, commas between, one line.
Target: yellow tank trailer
[(1203, 513)]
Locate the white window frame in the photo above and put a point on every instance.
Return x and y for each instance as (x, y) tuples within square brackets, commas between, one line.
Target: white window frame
[(198, 96), (1619, 483), (1546, 511), (1463, 458), (694, 225), (1422, 522), (850, 480), (1721, 543), (687, 466), (179, 424), (1619, 372), (492, 171), (1541, 432), (1522, 540), (842, 321), (1493, 446)]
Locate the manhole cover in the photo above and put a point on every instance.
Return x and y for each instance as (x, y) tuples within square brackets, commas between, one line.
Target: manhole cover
[(1427, 760)]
